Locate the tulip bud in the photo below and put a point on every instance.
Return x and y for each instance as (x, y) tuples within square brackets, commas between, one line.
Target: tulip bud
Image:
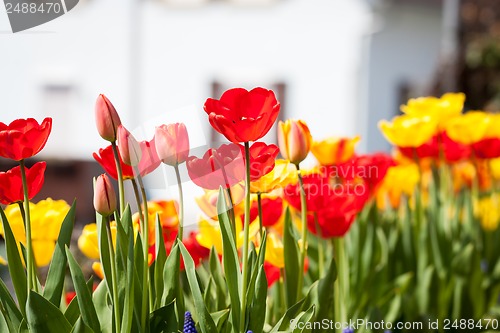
[(104, 196), (172, 143), (129, 148), (294, 140), (107, 119)]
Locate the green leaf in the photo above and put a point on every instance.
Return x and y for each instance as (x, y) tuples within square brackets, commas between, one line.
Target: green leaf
[(164, 320), (290, 314), (325, 293), (44, 317), (258, 307), (13, 316), (218, 276), (103, 306), (206, 322), (291, 252), (55, 277), (303, 318), (104, 251), (16, 270), (230, 259), (161, 258), (171, 273), (72, 312), (80, 327), (85, 303), (128, 312), (220, 318)]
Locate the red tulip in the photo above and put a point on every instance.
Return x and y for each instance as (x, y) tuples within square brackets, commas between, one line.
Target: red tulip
[(23, 138), (335, 219), (262, 159), (370, 168), (104, 196), (149, 160), (440, 145), (106, 118), (487, 148), (218, 167), (106, 159), (241, 115), (172, 143), (129, 148), (272, 209), (317, 189), (11, 185)]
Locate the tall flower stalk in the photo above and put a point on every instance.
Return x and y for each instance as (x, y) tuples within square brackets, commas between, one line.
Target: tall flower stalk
[(30, 262), (246, 231)]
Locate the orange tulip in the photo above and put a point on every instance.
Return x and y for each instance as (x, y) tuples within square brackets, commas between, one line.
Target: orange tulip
[(294, 140)]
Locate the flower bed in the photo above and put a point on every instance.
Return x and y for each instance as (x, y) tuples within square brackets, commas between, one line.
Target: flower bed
[(357, 243)]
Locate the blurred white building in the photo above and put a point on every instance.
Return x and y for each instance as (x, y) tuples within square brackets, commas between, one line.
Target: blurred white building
[(339, 64)]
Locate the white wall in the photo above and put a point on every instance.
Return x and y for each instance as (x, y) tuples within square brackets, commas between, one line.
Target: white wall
[(404, 48)]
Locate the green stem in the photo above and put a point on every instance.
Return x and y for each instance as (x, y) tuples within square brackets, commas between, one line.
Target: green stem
[(119, 172), (259, 206), (138, 201), (145, 248), (30, 262), (181, 204), (230, 196), (321, 257), (303, 249), (114, 282), (340, 283), (246, 231), (282, 290)]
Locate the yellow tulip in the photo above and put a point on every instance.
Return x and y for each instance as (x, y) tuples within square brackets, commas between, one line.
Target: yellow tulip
[(208, 201), (334, 150), (88, 242), (167, 211), (495, 167), (440, 109), (294, 140), (275, 251), (209, 233), (97, 268), (408, 130), (400, 180), (46, 220), (488, 212), (493, 129), (3, 261), (284, 173), (468, 128)]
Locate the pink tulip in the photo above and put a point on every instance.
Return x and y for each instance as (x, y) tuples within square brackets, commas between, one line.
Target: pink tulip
[(107, 119), (129, 148), (172, 143), (104, 196)]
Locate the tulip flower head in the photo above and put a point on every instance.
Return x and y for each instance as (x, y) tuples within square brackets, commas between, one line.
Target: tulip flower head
[(223, 166), (334, 150), (104, 196), (23, 138), (106, 118), (128, 146), (11, 186), (294, 140), (172, 143), (241, 115)]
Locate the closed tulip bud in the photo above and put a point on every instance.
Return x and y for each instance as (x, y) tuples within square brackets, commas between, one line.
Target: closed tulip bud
[(294, 140), (172, 143), (107, 119), (104, 196), (129, 148)]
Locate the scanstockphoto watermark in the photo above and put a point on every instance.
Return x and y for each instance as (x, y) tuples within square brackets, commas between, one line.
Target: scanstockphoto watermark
[(26, 14), (358, 324)]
